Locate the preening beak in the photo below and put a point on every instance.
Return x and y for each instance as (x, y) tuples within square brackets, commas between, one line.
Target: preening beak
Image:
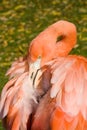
[(35, 72)]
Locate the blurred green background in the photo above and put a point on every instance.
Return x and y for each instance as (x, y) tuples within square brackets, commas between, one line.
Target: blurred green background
[(22, 20)]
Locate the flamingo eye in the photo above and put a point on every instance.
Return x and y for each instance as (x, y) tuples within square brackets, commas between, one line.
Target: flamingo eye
[(59, 38)]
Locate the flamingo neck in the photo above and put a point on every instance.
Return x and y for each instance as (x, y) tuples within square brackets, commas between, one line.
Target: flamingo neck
[(69, 37)]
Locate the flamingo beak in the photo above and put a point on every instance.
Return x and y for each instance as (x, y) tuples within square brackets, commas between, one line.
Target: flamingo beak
[(35, 72)]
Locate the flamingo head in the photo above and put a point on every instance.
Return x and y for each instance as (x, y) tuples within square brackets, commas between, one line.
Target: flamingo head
[(55, 41)]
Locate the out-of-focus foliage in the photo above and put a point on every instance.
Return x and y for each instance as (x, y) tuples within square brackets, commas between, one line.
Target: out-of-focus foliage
[(22, 20)]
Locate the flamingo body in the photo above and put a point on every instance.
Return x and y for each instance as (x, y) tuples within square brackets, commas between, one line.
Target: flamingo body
[(65, 107)]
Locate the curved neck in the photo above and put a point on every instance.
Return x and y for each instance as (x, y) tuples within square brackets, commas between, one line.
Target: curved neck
[(69, 37)]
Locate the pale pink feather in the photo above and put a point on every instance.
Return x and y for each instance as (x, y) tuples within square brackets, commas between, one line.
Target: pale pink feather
[(18, 67), (18, 100), (69, 84)]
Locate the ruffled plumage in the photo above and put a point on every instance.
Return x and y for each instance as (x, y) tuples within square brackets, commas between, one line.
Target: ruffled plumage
[(63, 81), (69, 87), (18, 67), (18, 101)]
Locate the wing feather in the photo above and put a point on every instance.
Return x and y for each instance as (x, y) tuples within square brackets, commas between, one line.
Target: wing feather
[(70, 93), (18, 67), (70, 80), (18, 100)]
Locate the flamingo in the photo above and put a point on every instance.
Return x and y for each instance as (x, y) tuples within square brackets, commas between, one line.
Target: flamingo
[(21, 94), (64, 106)]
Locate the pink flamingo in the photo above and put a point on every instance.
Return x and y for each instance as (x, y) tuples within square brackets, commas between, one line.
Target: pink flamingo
[(27, 87)]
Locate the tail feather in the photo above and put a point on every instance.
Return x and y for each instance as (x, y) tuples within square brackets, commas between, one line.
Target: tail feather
[(62, 121)]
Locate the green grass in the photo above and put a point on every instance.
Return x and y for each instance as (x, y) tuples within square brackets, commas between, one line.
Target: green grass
[(21, 21)]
